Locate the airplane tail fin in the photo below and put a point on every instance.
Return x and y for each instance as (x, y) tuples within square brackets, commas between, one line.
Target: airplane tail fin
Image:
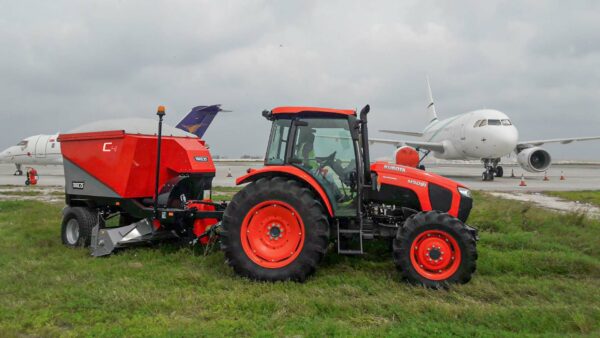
[(431, 113), (199, 119)]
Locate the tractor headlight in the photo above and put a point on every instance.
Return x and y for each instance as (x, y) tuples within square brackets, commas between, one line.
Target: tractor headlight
[(465, 192)]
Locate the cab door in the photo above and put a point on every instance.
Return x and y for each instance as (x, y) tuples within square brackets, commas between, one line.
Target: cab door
[(40, 146), (324, 148)]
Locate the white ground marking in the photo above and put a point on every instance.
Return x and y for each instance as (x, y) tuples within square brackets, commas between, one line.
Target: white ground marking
[(551, 202)]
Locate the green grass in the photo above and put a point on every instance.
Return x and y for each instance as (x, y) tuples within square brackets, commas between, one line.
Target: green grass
[(538, 274), (21, 193), (590, 196)]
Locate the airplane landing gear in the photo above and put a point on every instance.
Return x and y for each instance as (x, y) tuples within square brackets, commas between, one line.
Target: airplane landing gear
[(18, 172), (491, 169), (499, 171)]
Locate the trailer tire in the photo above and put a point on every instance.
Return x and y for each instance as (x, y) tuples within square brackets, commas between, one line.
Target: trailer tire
[(77, 224), (274, 229), (435, 250)]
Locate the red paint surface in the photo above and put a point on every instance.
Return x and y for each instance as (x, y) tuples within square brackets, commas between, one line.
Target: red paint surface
[(126, 163)]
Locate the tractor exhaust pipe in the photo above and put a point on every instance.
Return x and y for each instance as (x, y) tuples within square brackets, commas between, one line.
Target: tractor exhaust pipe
[(364, 135), (161, 113)]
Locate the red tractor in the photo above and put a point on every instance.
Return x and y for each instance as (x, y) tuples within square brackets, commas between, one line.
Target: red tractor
[(318, 185)]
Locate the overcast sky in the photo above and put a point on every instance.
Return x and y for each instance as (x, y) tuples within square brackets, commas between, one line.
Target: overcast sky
[(66, 63)]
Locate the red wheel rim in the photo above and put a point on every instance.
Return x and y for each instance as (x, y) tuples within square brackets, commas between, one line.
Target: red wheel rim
[(435, 255), (272, 234)]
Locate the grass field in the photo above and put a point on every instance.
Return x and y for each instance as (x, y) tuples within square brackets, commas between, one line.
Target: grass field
[(538, 274), (590, 196)]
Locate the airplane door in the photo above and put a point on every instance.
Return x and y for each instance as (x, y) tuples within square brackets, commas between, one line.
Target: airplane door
[(463, 133), (40, 146)]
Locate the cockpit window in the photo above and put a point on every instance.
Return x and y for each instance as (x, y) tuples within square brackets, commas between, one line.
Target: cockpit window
[(483, 123), (506, 123), (476, 123), (494, 122), (22, 143)]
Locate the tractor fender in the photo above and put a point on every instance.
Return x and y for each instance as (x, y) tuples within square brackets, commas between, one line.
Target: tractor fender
[(289, 171)]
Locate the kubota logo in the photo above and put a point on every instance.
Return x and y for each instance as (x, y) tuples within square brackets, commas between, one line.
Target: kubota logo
[(394, 168), (108, 147)]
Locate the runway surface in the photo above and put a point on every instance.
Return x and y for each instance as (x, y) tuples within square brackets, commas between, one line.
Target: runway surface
[(577, 177)]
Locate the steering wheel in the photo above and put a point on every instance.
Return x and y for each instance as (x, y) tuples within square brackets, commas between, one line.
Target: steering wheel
[(326, 160)]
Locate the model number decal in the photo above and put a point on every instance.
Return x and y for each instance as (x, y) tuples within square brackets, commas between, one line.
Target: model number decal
[(78, 185), (201, 158), (394, 168), (108, 147), (419, 183)]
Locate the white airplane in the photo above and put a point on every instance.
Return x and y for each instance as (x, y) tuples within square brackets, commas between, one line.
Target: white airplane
[(485, 134), (34, 150)]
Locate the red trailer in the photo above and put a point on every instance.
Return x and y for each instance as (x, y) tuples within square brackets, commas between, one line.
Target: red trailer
[(116, 173)]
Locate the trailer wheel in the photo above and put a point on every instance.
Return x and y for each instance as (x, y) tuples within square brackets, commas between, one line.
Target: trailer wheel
[(434, 249), (274, 229), (77, 224)]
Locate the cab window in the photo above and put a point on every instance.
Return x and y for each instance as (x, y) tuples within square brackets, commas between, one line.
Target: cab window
[(324, 148), (278, 142)]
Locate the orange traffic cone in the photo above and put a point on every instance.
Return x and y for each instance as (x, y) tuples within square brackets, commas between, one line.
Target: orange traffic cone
[(512, 173), (229, 173), (562, 176), (546, 176), (522, 184)]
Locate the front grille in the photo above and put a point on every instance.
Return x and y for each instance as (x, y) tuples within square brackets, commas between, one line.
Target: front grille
[(440, 197)]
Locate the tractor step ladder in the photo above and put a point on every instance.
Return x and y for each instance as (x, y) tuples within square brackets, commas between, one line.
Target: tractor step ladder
[(349, 241)]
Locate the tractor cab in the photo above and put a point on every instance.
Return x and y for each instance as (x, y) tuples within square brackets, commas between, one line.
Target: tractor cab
[(323, 144)]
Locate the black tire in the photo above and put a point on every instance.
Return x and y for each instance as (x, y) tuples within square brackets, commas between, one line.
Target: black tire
[(484, 176), (437, 221), (310, 211), (84, 219), (27, 182), (499, 171)]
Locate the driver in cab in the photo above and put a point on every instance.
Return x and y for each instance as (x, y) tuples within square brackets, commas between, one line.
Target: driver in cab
[(306, 153)]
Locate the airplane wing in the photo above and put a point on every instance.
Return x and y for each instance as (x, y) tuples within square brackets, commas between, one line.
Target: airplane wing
[(433, 146), (556, 140), (399, 132)]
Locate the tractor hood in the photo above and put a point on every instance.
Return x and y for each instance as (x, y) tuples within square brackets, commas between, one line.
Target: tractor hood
[(418, 176), (434, 192)]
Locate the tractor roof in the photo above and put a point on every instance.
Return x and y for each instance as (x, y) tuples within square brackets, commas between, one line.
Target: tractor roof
[(318, 110)]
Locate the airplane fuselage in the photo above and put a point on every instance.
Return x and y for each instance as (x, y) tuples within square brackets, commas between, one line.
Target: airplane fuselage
[(34, 150), (465, 136)]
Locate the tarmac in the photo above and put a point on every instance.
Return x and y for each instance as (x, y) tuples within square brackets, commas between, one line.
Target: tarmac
[(577, 176)]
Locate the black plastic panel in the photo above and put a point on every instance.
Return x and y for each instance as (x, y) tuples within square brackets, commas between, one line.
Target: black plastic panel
[(440, 198)]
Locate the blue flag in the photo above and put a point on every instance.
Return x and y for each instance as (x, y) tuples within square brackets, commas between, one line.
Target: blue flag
[(198, 120)]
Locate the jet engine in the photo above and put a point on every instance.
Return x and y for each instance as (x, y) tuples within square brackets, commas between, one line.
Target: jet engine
[(407, 156), (534, 159)]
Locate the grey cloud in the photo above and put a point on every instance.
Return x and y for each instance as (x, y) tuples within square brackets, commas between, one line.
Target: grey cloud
[(66, 63)]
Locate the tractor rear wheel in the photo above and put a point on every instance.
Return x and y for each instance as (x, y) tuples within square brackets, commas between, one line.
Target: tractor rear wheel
[(435, 249), (274, 229), (77, 224)]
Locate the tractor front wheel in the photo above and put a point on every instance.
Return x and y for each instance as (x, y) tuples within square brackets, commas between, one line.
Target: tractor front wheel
[(274, 229), (435, 249)]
